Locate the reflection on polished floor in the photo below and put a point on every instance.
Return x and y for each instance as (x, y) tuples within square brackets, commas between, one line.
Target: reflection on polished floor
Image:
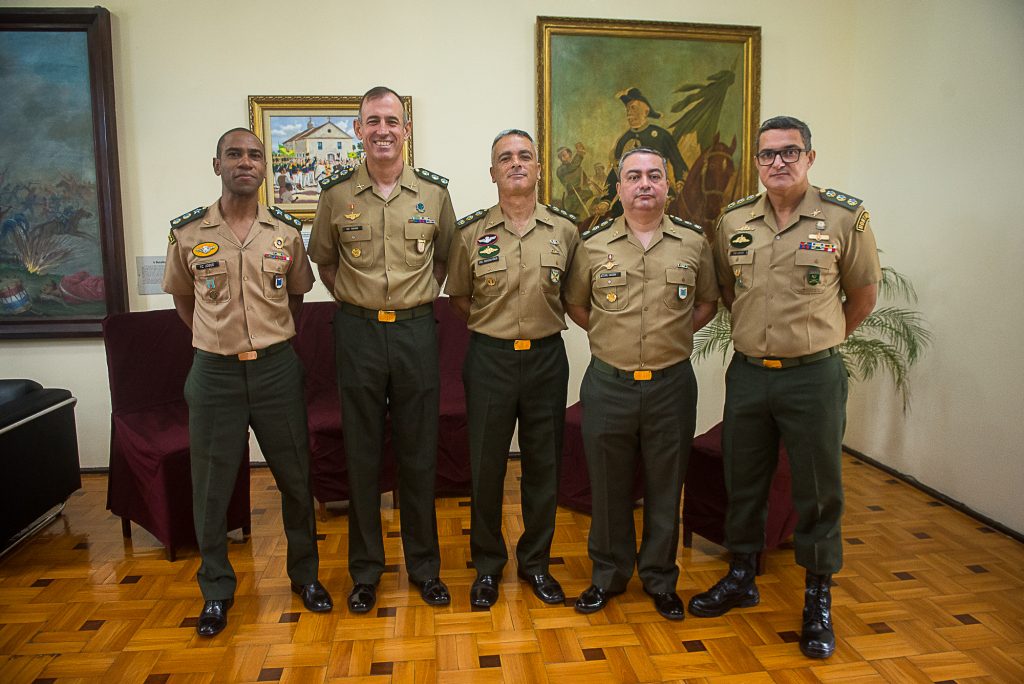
[(927, 594)]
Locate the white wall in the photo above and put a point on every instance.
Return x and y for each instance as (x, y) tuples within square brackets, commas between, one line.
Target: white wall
[(891, 89)]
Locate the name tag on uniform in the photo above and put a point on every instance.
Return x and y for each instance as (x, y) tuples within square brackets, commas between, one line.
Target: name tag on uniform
[(208, 264), (492, 259), (346, 229), (609, 274)]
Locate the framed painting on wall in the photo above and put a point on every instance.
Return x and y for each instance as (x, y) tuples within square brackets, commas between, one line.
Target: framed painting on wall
[(307, 138), (62, 264), (689, 91)]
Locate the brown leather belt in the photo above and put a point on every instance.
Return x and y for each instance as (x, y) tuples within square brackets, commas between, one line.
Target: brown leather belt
[(770, 362)]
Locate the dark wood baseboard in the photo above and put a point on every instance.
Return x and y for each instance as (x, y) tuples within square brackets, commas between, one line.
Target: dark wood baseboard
[(937, 495)]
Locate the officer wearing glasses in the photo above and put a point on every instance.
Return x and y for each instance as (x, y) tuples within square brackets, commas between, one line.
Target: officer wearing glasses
[(798, 268)]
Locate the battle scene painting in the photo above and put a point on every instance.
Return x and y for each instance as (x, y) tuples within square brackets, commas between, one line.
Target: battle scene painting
[(689, 91), (53, 265)]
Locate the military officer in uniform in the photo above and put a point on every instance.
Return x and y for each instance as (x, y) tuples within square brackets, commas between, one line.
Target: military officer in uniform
[(640, 285), (505, 275), (642, 133), (238, 272), (380, 239), (785, 259)]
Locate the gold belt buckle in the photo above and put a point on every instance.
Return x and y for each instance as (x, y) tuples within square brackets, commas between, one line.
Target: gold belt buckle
[(248, 356), (771, 363), (386, 316), (642, 375), (521, 345)]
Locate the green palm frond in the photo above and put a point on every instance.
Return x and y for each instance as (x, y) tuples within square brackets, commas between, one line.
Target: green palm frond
[(888, 342), (716, 336)]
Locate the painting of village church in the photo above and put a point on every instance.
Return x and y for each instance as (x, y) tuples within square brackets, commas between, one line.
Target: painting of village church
[(307, 138)]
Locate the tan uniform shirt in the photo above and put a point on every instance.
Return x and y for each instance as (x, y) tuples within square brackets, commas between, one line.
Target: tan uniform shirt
[(787, 281), (241, 288), (641, 301), (384, 247), (515, 281)]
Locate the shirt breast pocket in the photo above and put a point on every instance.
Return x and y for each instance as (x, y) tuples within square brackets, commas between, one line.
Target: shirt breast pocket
[(275, 284), (813, 271), (742, 266), (610, 290), (490, 279), (212, 282), (357, 245), (418, 240), (552, 268), (679, 287)]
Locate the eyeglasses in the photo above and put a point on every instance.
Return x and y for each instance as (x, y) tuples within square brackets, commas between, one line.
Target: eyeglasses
[(789, 155)]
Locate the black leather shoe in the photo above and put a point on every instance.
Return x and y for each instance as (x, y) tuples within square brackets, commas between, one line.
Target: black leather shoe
[(593, 599), (362, 598), (668, 604), (484, 592), (314, 596), (736, 589), (434, 592), (545, 587), (214, 618), (816, 638)]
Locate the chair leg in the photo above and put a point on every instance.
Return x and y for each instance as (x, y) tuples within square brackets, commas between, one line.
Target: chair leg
[(395, 503), (126, 528), (760, 561), (170, 554), (687, 538), (246, 531), (321, 509)]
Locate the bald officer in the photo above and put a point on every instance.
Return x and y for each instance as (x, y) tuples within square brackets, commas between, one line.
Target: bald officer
[(640, 285), (505, 276), (238, 271), (785, 258), (380, 238)]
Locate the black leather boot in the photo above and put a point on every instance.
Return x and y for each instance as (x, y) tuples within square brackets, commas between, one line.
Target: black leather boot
[(737, 588), (816, 638)]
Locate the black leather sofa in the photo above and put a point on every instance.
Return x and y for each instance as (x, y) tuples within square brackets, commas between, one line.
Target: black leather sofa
[(39, 466)]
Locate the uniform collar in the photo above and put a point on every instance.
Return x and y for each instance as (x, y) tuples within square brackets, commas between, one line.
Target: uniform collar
[(362, 180), (810, 204), (496, 218), (213, 217), (619, 229)]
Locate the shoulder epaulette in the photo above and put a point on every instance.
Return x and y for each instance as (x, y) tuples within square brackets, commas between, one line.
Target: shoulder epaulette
[(336, 178), (603, 225), (188, 217), (741, 202), (432, 177), (282, 215), (686, 224), (561, 212), (840, 198), (471, 218)]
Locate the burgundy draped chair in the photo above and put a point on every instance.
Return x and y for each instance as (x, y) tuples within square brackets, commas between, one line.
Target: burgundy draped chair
[(150, 481)]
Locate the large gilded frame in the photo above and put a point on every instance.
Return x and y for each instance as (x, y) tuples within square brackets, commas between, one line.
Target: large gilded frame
[(268, 111), (701, 87)]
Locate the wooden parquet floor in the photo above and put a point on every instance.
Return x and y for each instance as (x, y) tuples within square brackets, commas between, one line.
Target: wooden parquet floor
[(927, 595)]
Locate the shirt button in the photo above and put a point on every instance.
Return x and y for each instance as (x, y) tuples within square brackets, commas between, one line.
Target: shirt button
[(523, 292), (645, 308), (772, 267), (778, 237), (387, 237), (524, 265), (245, 277)]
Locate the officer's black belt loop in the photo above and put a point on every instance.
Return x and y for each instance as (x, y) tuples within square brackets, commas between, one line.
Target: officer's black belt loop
[(788, 363), (387, 316), (246, 355), (516, 345), (640, 375)]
